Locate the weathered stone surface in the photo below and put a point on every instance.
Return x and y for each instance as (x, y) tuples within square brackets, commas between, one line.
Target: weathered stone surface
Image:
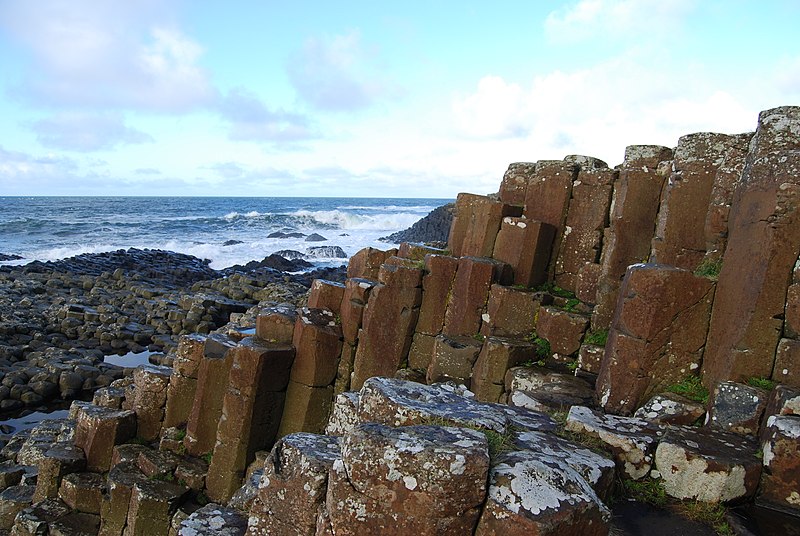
[(214, 520), (783, 400), (586, 282), (244, 497), (562, 329), (354, 300), (42, 437), (421, 351), (367, 262), (476, 223), (192, 472), (251, 411), (98, 430), (590, 357), (151, 383), (188, 355), (727, 178), (532, 493), (109, 397), (791, 327), (515, 182), (632, 441), (212, 382), (12, 501), (583, 229), (737, 407), (294, 485), (470, 291), (114, 508), (680, 236), (60, 460), (539, 389), (306, 409), (82, 491), (152, 504), (38, 518), (526, 245), (764, 240), (276, 324), (417, 252), (452, 359), (497, 355), (326, 295), (598, 470), (787, 362), (511, 312), (437, 284), (707, 465), (10, 474), (317, 342), (780, 483), (157, 463), (657, 336), (670, 408), (548, 194), (389, 321), (344, 414), (423, 480), (344, 371), (631, 223)]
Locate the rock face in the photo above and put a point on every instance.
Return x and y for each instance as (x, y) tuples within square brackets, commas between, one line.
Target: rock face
[(433, 228)]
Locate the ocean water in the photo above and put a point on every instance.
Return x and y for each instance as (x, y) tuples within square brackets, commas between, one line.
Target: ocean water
[(51, 228)]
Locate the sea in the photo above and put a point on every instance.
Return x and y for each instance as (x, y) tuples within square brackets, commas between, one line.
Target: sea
[(224, 230)]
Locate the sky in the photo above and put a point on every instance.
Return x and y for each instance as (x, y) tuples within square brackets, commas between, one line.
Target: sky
[(368, 99)]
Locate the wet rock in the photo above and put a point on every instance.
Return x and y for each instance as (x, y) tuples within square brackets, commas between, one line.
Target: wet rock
[(781, 447), (13, 500), (325, 252), (314, 237), (707, 465), (531, 493), (293, 485), (214, 520), (670, 408), (737, 407), (409, 480), (10, 474), (632, 441)]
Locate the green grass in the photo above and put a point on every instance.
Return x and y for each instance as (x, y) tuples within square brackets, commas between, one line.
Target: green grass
[(207, 457), (711, 514), (597, 338), (572, 365), (646, 490), (180, 435), (552, 288), (709, 268), (571, 305), (692, 388), (761, 383)]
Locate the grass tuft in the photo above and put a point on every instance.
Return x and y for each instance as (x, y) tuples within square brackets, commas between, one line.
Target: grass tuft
[(761, 383), (709, 268), (692, 388), (597, 338)]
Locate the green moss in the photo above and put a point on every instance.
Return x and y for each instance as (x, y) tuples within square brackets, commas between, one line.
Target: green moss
[(709, 268), (207, 457), (761, 383), (572, 365), (555, 290), (692, 388), (571, 305), (478, 337), (597, 338), (180, 435), (712, 514), (646, 490)]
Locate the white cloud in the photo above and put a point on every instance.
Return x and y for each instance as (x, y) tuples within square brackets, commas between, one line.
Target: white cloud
[(92, 53), (250, 119), (614, 19), (335, 74), (79, 131)]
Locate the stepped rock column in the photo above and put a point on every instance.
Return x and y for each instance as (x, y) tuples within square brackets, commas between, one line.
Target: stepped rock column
[(251, 412), (763, 246), (586, 219), (515, 182), (183, 381), (354, 301), (631, 223), (389, 320), (680, 230), (476, 223)]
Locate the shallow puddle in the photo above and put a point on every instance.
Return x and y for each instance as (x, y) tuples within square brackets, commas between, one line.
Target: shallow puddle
[(129, 360)]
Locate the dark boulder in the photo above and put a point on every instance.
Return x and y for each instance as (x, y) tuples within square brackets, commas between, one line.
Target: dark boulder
[(433, 228)]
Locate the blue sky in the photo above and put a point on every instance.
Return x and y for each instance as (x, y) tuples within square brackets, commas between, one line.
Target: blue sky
[(373, 99)]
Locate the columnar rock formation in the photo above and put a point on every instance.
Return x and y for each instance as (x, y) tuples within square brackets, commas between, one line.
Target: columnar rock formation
[(415, 397)]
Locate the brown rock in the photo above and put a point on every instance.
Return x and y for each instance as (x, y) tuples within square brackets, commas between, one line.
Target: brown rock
[(586, 219), (515, 182), (344, 415), (680, 235), (326, 295), (60, 460), (367, 262), (114, 508), (12, 501), (421, 351), (345, 370), (39, 517), (452, 359), (737, 408), (180, 399), (424, 480), (562, 329), (792, 320), (151, 383), (354, 300), (98, 429), (152, 504), (787, 362), (783, 400), (468, 298), (294, 485), (476, 223), (188, 355), (417, 252), (525, 245), (276, 324), (780, 483), (496, 357), (511, 312), (306, 409), (764, 238), (670, 408), (317, 340), (82, 491), (631, 223), (437, 284), (590, 357), (657, 335), (586, 282)]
